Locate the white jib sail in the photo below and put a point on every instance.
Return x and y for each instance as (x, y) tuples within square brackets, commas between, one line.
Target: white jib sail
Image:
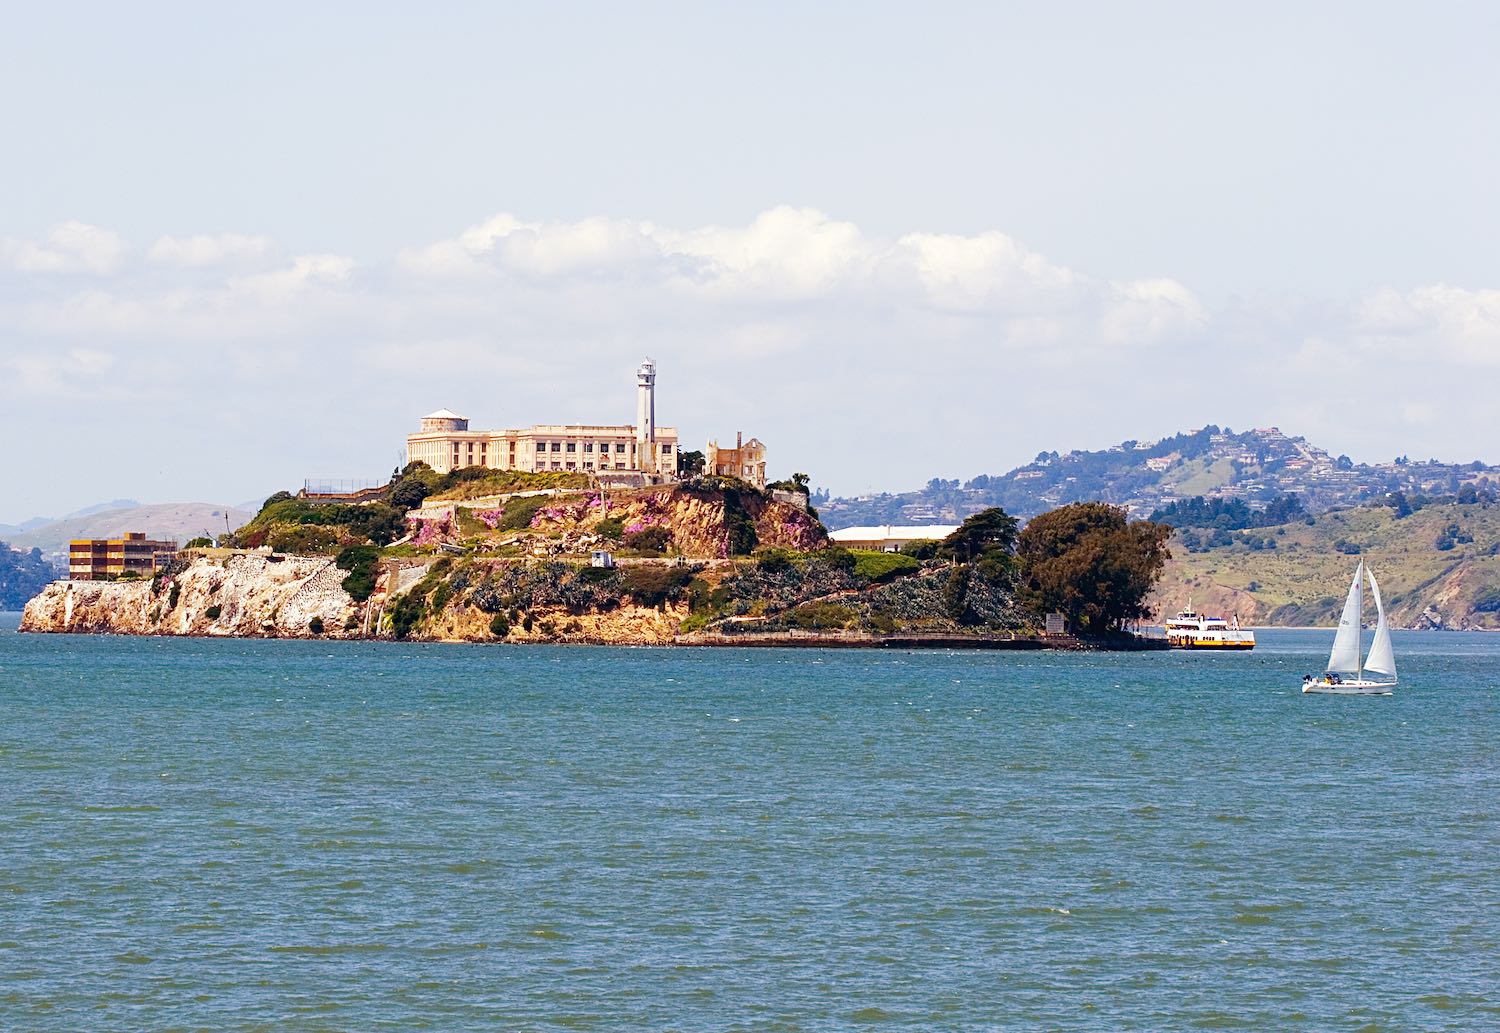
[(1382, 659), (1345, 656)]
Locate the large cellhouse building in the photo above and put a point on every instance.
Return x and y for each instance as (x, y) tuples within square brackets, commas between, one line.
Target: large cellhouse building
[(446, 443)]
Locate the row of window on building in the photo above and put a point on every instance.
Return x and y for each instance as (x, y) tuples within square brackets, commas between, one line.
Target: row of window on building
[(558, 448)]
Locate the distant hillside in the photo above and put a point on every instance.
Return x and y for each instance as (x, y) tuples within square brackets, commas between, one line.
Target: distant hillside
[(1438, 567), (22, 575), (1257, 467), (179, 520)]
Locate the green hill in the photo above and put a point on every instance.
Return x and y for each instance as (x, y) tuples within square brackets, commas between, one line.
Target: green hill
[(1438, 567), (1253, 466)]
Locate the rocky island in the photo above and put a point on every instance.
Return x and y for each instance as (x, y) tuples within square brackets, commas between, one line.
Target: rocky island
[(487, 556)]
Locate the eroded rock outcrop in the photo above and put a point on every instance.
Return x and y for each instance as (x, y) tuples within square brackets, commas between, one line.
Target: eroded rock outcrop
[(239, 595)]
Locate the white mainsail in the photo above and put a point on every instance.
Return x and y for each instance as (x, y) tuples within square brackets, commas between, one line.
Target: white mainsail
[(1382, 659), (1345, 656)]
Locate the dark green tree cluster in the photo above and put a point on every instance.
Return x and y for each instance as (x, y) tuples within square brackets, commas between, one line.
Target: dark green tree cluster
[(22, 575), (1088, 562), (1230, 514)]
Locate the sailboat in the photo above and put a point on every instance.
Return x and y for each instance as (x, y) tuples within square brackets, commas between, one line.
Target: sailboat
[(1345, 659)]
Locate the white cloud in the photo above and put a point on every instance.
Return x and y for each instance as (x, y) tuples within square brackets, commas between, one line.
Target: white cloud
[(1461, 324), (207, 250), (801, 255), (303, 273), (68, 247), (874, 361)]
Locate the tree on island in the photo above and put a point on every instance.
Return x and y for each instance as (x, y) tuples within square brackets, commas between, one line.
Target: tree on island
[(690, 464), (987, 533), (1088, 562)]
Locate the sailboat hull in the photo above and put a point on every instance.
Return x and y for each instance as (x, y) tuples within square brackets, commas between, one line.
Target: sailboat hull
[(1351, 687)]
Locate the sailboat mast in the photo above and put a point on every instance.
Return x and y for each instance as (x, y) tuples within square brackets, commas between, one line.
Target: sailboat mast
[(1359, 629)]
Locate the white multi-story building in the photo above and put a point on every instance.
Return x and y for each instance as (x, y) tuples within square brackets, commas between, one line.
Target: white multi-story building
[(446, 443)]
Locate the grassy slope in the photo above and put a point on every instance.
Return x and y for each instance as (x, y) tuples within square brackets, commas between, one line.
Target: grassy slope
[(1304, 579), (1198, 478)]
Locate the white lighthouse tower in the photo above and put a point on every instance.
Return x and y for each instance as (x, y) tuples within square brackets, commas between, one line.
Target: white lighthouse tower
[(645, 416)]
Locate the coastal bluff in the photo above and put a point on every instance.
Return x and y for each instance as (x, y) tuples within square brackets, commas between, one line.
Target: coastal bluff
[(236, 596), (283, 596)]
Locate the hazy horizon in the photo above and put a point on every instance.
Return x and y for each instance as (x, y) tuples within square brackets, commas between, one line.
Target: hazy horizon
[(243, 248)]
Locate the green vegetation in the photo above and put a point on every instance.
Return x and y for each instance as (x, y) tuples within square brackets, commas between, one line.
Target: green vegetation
[(360, 561), (1229, 514), (1427, 574), (472, 482), (610, 527), (656, 585), (1089, 563), (922, 550), (315, 626), (409, 492), (499, 625), (989, 532), (821, 616), (1199, 477), (213, 612), (649, 541), (199, 543), (690, 464), (520, 512), (289, 524), (875, 566)]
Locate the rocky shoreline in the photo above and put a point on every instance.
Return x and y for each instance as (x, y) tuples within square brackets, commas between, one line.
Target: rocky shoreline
[(262, 595)]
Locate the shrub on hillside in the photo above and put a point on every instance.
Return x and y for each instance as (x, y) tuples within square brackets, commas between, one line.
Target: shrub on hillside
[(882, 566), (302, 539), (654, 585), (520, 512), (610, 527), (654, 539), (360, 561), (409, 493), (280, 496), (922, 550), (775, 561), (822, 616)]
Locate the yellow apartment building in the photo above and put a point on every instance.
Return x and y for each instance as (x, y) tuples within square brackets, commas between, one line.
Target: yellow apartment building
[(98, 559)]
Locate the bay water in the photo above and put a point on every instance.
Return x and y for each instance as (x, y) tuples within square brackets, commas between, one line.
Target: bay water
[(287, 835)]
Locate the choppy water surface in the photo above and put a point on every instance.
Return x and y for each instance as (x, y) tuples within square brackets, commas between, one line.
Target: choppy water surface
[(319, 836)]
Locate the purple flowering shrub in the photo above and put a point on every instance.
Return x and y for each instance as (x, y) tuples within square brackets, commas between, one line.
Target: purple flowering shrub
[(430, 532)]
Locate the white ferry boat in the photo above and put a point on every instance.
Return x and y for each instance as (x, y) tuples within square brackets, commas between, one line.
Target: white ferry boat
[(1189, 630)]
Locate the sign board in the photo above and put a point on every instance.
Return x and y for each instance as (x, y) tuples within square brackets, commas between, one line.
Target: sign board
[(1056, 625)]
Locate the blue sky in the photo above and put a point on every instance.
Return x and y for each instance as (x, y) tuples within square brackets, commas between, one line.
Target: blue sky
[(241, 247)]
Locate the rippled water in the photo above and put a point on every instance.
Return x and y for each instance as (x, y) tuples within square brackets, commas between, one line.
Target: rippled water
[(319, 836)]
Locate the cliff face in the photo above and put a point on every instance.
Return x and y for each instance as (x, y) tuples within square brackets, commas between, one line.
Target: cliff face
[(242, 595), (281, 596)]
